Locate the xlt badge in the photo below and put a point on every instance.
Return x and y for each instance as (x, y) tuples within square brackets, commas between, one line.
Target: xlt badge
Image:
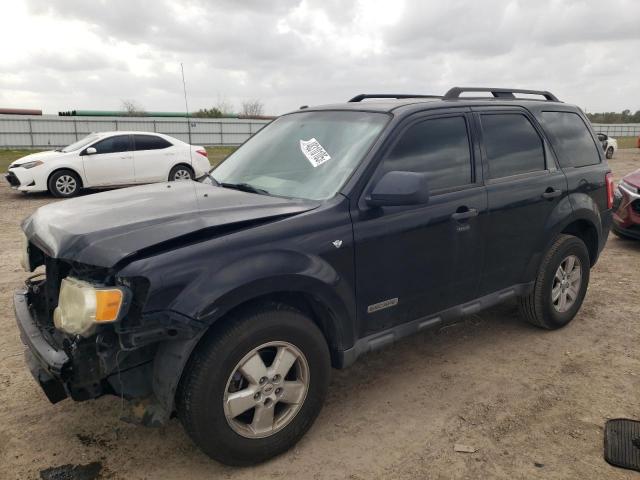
[(392, 302)]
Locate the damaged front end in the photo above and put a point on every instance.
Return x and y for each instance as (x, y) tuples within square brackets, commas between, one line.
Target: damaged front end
[(87, 347)]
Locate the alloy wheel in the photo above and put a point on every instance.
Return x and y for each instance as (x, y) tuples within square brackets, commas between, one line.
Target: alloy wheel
[(266, 389), (566, 284)]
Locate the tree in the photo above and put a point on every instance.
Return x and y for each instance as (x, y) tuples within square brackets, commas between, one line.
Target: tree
[(132, 108), (212, 112), (252, 108), (224, 106)]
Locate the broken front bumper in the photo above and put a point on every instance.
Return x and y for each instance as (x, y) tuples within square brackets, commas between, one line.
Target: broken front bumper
[(45, 361)]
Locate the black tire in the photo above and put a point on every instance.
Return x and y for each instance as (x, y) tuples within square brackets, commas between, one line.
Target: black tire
[(609, 153), (204, 383), (64, 184), (537, 307), (179, 170)]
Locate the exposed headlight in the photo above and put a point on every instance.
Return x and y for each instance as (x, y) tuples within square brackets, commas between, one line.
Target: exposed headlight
[(82, 306), (32, 164), (25, 260)]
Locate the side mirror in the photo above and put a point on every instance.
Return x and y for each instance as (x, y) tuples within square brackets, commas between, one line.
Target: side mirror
[(90, 151), (400, 188)]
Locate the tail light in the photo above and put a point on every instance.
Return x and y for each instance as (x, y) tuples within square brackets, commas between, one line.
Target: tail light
[(202, 152), (608, 178)]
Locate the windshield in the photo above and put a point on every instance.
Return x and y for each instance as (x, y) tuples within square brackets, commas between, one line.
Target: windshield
[(303, 155), (80, 143)]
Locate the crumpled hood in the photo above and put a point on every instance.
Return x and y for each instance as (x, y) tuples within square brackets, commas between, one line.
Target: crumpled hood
[(103, 228), (43, 156), (633, 178)]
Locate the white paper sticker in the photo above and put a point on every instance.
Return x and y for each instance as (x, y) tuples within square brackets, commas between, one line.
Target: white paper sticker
[(314, 152)]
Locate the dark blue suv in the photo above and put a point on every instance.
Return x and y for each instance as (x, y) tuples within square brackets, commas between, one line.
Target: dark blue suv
[(332, 232)]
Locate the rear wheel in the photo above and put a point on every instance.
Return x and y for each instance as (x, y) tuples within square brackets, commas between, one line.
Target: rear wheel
[(181, 172), (560, 286), (610, 152), (254, 387), (64, 184)]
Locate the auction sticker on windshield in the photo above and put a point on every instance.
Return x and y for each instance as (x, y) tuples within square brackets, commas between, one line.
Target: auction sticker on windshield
[(315, 153)]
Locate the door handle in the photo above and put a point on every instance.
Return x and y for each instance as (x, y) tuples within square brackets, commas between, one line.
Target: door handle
[(468, 213), (550, 193)]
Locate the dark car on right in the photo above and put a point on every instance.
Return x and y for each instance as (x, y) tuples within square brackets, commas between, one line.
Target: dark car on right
[(626, 207)]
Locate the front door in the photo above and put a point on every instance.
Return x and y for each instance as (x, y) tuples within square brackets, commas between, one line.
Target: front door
[(112, 164), (413, 261)]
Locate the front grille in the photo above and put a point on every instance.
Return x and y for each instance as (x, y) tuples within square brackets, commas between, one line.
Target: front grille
[(12, 179)]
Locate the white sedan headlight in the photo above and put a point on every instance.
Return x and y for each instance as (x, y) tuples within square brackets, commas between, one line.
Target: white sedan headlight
[(82, 306)]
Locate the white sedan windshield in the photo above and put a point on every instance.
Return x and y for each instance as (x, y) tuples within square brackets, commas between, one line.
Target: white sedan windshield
[(80, 143), (303, 155)]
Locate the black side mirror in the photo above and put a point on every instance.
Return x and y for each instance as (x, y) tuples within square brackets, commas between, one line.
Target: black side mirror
[(400, 188)]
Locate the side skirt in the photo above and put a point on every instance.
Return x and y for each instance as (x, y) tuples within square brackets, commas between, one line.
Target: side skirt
[(386, 337)]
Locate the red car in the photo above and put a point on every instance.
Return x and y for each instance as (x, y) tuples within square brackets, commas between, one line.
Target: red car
[(626, 206)]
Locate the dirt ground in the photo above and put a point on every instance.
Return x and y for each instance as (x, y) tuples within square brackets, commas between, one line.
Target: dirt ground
[(532, 402)]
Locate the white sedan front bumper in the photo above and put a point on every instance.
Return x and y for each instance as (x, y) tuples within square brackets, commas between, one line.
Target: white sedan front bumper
[(23, 179)]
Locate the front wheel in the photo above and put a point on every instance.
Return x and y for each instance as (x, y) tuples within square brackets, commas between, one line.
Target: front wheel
[(560, 286), (64, 184), (255, 386)]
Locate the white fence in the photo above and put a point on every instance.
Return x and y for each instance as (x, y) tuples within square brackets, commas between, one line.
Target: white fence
[(47, 131), (618, 129)]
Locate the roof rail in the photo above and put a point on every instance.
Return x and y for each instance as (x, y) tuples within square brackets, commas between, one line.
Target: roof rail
[(498, 92), (362, 96)]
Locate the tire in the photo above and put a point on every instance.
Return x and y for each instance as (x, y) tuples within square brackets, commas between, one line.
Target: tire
[(181, 172), (609, 153), (538, 307), (213, 372), (64, 184)]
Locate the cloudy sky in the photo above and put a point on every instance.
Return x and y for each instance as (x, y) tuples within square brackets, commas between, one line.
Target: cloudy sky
[(70, 54)]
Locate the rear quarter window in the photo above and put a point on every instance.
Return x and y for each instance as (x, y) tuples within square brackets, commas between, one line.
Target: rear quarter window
[(570, 139)]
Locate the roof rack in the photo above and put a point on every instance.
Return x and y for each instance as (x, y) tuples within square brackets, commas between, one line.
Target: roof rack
[(362, 96), (498, 92)]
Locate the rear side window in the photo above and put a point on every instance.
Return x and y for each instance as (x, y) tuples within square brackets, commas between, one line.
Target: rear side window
[(150, 142), (118, 143), (438, 147), (512, 145), (571, 139)]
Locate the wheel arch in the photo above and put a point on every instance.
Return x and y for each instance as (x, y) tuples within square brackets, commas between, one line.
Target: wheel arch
[(172, 356), (66, 168)]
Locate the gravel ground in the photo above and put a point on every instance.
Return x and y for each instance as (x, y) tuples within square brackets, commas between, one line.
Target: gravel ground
[(532, 402)]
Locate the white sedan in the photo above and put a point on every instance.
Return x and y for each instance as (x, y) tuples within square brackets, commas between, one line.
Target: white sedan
[(108, 159)]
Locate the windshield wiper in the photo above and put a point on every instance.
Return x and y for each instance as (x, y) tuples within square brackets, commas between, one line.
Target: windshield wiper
[(244, 187)]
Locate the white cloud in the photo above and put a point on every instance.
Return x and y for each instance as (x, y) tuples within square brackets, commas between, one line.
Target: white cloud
[(78, 54)]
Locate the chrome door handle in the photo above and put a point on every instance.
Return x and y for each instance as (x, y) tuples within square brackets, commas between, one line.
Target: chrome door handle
[(468, 213), (551, 193)]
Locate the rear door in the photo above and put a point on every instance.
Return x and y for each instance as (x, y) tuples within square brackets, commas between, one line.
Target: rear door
[(413, 261), (153, 157), (524, 186), (112, 164)]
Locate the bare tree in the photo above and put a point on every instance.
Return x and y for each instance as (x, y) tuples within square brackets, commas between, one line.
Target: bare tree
[(224, 106), (132, 108), (252, 108)]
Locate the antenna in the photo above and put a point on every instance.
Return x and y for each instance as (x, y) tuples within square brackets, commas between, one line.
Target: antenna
[(186, 106)]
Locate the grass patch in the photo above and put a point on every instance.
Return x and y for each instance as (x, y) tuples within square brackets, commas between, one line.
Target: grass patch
[(8, 156), (216, 155), (627, 142)]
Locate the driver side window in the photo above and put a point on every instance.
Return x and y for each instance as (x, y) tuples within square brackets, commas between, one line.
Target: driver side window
[(116, 144)]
